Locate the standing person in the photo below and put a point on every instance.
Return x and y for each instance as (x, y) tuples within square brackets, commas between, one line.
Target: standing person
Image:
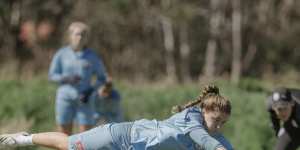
[(73, 67), (107, 104), (283, 106), (195, 125)]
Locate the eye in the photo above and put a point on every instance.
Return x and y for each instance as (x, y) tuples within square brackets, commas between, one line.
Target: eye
[(282, 109), (216, 119)]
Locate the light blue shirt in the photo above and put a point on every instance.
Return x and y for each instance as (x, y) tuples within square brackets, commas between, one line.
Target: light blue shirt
[(174, 133), (66, 62)]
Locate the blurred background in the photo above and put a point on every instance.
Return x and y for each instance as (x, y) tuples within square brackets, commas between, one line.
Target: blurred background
[(159, 53)]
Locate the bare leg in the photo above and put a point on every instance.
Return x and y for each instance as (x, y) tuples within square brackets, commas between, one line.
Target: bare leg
[(67, 128), (54, 140), (83, 128)]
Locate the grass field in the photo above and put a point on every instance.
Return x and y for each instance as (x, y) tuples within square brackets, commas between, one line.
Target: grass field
[(29, 105)]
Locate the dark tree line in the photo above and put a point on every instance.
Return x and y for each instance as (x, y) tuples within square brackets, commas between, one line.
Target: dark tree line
[(178, 40)]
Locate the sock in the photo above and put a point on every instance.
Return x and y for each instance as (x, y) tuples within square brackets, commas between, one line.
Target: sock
[(24, 140)]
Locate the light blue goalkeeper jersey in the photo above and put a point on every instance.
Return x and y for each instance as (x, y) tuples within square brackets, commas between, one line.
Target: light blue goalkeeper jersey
[(174, 133), (182, 131)]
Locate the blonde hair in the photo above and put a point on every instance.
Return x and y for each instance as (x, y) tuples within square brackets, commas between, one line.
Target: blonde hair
[(210, 99), (77, 24)]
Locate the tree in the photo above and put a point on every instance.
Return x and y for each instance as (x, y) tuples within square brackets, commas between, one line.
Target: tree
[(236, 41), (212, 45)]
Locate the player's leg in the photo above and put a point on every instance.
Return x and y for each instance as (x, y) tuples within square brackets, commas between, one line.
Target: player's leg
[(97, 138), (85, 116), (65, 110), (55, 140)]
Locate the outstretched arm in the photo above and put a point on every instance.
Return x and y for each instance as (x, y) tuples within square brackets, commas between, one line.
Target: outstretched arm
[(204, 140)]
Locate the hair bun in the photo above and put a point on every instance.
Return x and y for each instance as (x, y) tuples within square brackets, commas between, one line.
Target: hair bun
[(210, 90)]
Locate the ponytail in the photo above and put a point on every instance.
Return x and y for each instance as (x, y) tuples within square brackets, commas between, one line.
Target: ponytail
[(209, 90)]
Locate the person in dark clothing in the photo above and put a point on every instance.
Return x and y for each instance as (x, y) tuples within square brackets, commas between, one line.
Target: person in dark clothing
[(284, 108)]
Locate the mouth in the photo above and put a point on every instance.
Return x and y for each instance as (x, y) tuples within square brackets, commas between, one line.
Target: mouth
[(283, 117)]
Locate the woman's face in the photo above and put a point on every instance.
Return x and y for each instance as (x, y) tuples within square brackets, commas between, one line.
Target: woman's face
[(78, 38), (283, 111), (214, 120)]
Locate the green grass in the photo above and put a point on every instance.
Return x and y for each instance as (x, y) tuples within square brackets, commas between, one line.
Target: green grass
[(29, 105), (248, 127)]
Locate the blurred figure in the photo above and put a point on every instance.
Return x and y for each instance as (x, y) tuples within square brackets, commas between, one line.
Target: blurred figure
[(107, 104), (73, 68), (283, 106)]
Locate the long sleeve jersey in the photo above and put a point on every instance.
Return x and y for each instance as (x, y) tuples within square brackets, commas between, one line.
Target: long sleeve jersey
[(182, 131), (84, 64)]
